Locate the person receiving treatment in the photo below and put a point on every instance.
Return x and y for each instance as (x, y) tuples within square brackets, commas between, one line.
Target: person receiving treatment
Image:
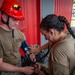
[(62, 51)]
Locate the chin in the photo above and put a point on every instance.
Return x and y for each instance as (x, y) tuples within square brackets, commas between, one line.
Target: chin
[(13, 28)]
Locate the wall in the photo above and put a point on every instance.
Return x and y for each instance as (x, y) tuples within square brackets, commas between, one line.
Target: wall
[(47, 8)]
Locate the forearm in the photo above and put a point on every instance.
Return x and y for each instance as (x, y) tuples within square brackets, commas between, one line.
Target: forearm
[(9, 67), (44, 47), (39, 49)]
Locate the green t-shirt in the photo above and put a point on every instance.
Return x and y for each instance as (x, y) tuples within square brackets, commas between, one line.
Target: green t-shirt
[(9, 46), (62, 57)]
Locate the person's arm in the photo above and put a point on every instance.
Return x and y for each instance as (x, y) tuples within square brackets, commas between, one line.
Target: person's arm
[(39, 49), (8, 67), (43, 47)]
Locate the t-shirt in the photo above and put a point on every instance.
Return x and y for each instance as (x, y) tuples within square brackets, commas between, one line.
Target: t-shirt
[(62, 57), (9, 47)]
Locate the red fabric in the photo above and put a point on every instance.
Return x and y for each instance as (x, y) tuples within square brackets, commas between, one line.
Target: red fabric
[(30, 26), (64, 8)]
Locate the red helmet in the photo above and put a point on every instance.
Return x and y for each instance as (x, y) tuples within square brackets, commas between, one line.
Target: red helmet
[(13, 9)]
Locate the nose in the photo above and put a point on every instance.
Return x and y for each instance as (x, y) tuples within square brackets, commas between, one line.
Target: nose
[(16, 22)]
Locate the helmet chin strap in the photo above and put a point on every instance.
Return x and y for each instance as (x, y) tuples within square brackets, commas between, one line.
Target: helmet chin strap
[(7, 23)]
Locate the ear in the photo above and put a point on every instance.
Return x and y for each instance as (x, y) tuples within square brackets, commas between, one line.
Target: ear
[(51, 31), (4, 17)]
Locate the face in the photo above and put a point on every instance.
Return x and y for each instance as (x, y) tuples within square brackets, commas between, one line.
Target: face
[(50, 36), (13, 23)]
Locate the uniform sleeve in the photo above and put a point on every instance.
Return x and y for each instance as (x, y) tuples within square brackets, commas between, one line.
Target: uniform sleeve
[(64, 58), (1, 51), (61, 60), (23, 37), (61, 69)]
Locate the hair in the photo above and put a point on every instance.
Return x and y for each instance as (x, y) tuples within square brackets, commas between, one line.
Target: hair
[(56, 22)]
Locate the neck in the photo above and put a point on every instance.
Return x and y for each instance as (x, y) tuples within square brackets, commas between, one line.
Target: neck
[(5, 27), (63, 35), (60, 36)]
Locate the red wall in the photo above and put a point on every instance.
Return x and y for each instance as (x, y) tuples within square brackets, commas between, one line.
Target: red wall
[(64, 8), (30, 26)]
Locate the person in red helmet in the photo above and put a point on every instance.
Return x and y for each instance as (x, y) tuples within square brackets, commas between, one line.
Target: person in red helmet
[(11, 40)]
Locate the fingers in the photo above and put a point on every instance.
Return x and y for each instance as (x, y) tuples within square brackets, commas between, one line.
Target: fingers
[(32, 52), (34, 49), (34, 46), (28, 70), (32, 57), (32, 68), (37, 69)]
